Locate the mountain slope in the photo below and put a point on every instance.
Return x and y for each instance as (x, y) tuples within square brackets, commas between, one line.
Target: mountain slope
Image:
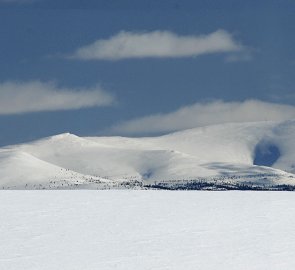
[(262, 153), (22, 170)]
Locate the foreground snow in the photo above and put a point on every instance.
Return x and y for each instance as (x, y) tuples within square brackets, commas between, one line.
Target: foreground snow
[(74, 230), (262, 153)]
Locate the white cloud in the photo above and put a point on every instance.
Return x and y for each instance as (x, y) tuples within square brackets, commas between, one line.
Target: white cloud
[(202, 114), (34, 96), (158, 44)]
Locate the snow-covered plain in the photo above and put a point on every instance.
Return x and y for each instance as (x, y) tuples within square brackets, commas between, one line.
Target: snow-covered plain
[(90, 230), (262, 153)]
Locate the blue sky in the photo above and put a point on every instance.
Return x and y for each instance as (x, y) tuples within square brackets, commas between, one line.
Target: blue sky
[(253, 58)]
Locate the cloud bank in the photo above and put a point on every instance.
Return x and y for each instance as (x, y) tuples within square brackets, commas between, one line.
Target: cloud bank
[(157, 44), (36, 96), (202, 114)]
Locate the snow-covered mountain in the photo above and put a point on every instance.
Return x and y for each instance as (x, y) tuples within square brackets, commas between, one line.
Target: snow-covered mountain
[(262, 153)]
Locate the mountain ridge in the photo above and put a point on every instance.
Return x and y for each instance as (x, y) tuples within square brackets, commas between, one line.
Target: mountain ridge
[(224, 153)]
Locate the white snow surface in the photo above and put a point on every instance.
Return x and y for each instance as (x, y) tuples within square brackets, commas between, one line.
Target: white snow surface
[(221, 151), (90, 230)]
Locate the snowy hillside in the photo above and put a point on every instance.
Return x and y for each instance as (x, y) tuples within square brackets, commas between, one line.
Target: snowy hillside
[(261, 153)]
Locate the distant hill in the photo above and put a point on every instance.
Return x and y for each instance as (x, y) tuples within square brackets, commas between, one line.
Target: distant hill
[(260, 154)]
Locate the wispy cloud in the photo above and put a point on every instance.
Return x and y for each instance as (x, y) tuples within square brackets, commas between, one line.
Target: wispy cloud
[(202, 114), (157, 44), (35, 96), (244, 56)]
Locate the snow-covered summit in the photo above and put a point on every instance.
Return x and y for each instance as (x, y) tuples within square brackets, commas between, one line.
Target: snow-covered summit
[(260, 152)]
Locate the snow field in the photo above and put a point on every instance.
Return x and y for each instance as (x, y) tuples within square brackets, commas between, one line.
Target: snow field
[(71, 230)]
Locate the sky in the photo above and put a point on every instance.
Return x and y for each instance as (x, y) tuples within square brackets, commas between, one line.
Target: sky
[(140, 68)]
